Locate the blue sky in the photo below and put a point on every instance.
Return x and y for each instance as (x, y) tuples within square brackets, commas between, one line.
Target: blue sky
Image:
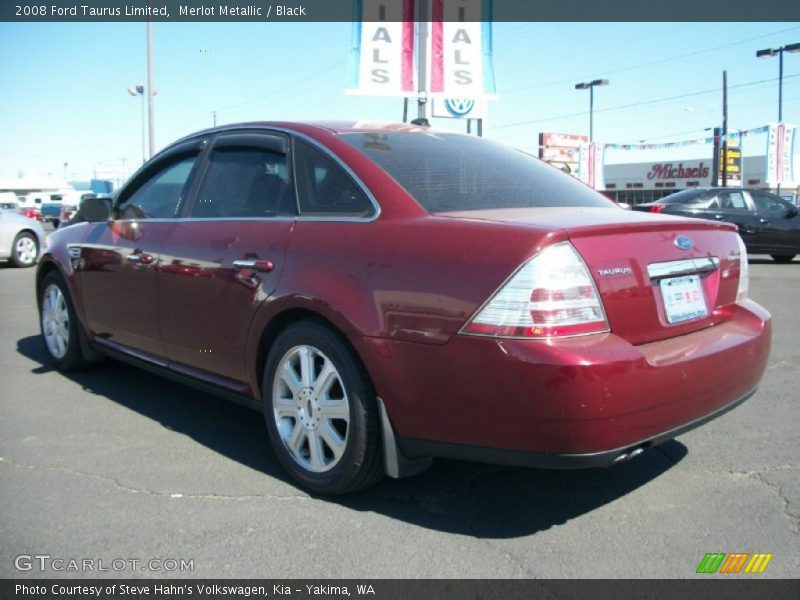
[(64, 96)]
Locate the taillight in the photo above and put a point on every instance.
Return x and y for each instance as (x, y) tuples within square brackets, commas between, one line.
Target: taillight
[(744, 271), (656, 208), (551, 295)]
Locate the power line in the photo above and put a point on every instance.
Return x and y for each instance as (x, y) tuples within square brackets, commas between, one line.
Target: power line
[(642, 103), (643, 65), (236, 107), (304, 79)]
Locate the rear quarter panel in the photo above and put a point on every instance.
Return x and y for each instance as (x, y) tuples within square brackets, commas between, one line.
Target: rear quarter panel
[(413, 280)]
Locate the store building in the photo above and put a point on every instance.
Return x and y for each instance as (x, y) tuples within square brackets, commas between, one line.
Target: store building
[(636, 183)]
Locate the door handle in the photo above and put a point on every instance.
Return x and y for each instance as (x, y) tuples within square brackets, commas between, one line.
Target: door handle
[(719, 217), (141, 258), (763, 221), (255, 264)]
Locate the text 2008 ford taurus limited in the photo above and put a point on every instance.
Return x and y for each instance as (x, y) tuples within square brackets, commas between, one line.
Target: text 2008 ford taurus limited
[(388, 294)]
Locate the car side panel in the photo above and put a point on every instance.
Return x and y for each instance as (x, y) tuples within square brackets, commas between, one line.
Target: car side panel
[(205, 303), (119, 289), (414, 280)]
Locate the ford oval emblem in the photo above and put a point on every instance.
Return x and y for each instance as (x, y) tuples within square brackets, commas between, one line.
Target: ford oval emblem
[(684, 242)]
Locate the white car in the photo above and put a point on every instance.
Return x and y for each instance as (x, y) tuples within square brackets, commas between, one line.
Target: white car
[(21, 238)]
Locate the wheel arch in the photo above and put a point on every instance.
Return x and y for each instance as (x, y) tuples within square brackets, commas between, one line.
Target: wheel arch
[(45, 268), (283, 319)]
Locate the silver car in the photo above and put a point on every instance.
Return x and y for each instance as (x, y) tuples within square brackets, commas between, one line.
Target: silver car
[(21, 238)]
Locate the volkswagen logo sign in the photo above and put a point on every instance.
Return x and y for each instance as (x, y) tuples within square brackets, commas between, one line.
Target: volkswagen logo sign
[(459, 107), (684, 242)]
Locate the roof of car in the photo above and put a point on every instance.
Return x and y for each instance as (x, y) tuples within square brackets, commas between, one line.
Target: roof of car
[(336, 127)]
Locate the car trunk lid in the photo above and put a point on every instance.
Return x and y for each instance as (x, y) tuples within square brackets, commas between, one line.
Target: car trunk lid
[(658, 276)]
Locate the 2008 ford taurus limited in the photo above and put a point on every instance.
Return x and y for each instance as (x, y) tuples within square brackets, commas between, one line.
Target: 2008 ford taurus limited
[(389, 294)]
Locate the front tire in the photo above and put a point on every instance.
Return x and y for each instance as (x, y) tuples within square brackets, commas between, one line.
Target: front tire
[(25, 250), (321, 413), (783, 258), (59, 324)]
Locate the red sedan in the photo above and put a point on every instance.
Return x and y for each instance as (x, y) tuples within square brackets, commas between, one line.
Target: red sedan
[(388, 294)]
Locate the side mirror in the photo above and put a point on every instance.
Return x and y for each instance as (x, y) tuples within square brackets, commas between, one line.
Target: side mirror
[(791, 212), (95, 210)]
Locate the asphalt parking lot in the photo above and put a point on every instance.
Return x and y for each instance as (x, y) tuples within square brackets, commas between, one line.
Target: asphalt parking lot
[(116, 464)]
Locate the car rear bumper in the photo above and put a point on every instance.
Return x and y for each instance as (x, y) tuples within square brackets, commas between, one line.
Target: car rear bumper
[(414, 449), (571, 402)]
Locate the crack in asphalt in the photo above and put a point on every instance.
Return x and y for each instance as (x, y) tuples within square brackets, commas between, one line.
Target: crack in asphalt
[(155, 493), (760, 476), (780, 363), (438, 504), (794, 520)]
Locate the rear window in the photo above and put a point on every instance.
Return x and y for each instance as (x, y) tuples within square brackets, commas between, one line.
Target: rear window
[(688, 197), (445, 172)]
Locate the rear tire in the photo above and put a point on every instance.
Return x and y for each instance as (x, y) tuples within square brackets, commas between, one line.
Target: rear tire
[(25, 250), (783, 258), (59, 325), (321, 412)]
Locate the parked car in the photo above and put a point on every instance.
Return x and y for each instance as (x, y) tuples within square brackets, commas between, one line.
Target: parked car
[(384, 295), (31, 212), (21, 238), (767, 223), (51, 209)]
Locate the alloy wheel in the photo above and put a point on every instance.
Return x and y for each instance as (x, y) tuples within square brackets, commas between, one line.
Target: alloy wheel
[(55, 321), (311, 409), (26, 250)]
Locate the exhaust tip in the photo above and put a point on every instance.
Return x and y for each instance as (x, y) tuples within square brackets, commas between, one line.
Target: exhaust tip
[(626, 456)]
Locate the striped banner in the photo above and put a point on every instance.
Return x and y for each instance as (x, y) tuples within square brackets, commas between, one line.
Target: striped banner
[(460, 49), (780, 154), (381, 61)]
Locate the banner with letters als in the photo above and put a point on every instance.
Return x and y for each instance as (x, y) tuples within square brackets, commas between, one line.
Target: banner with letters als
[(383, 52), (382, 57)]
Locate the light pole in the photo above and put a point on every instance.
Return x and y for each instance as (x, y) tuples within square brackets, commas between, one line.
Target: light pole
[(767, 52), (150, 92), (139, 91), (590, 86)]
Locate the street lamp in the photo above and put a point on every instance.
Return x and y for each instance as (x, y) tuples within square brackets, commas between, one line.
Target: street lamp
[(779, 51), (590, 86), (139, 91)]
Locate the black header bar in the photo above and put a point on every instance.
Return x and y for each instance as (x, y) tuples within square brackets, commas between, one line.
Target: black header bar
[(343, 10)]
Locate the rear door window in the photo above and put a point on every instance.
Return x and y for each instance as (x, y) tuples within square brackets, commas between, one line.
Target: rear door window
[(324, 188), (767, 203)]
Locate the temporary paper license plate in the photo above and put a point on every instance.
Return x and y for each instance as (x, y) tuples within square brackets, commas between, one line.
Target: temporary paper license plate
[(683, 298)]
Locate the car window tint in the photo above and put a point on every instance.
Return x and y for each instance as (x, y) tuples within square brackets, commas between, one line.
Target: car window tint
[(444, 172), (245, 182), (324, 188), (688, 197), (159, 196), (732, 201), (768, 203)]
